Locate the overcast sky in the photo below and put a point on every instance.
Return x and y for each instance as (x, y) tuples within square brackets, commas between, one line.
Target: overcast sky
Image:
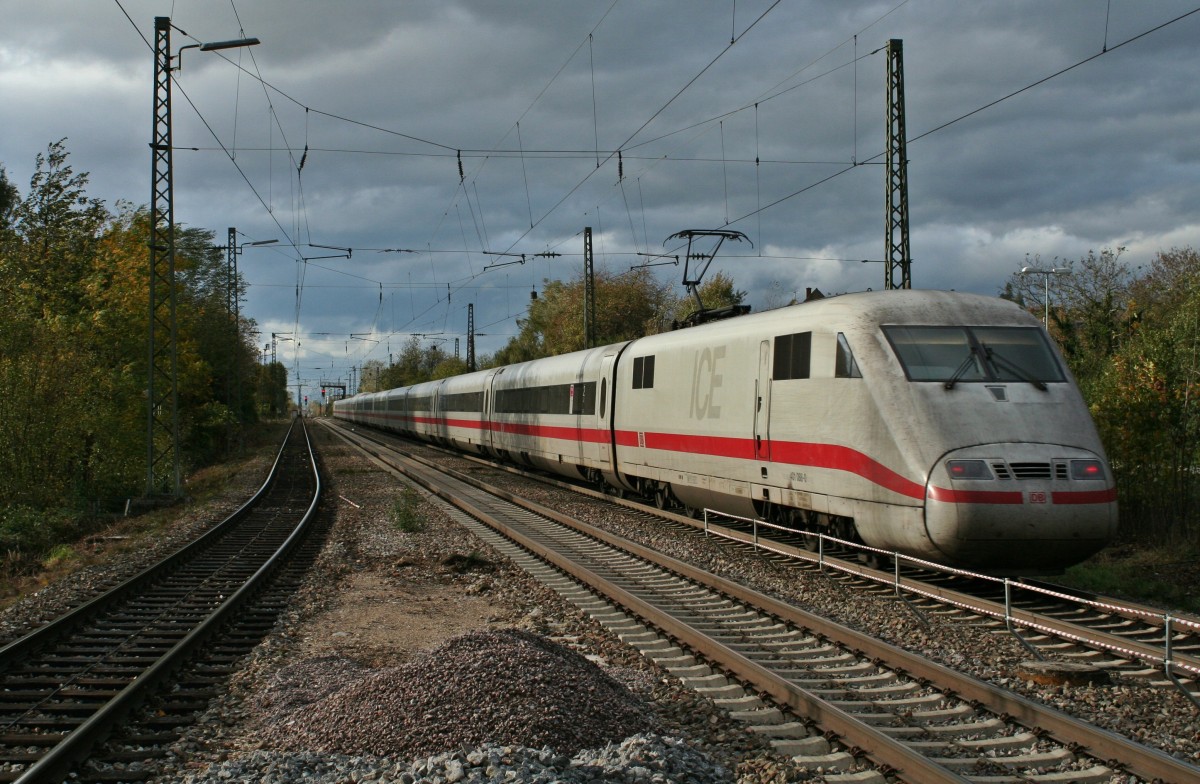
[(538, 96)]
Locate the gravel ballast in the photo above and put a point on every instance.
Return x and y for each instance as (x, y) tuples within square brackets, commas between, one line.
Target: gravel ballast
[(509, 687), (636, 760), (325, 692)]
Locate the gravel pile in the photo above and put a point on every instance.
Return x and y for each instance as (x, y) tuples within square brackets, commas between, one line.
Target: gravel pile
[(509, 687), (640, 759)]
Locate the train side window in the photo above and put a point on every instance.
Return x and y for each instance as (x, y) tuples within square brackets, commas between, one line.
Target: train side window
[(846, 366), (792, 355), (603, 395), (643, 372)]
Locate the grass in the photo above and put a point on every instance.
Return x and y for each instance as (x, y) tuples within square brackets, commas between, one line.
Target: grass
[(62, 555), (405, 511), (1166, 577)]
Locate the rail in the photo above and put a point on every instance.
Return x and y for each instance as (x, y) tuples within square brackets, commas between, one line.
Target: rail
[(77, 744), (1075, 734), (1008, 612)]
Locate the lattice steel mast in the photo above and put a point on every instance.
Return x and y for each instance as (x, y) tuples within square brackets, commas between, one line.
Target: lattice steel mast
[(898, 274), (589, 291), (162, 421), (471, 336)]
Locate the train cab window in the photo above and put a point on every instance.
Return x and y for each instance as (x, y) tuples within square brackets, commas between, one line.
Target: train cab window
[(1017, 354), (845, 366), (643, 372), (954, 354), (935, 353), (792, 356)]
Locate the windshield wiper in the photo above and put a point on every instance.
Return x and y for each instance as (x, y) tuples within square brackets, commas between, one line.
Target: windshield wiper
[(1012, 367), (962, 369)]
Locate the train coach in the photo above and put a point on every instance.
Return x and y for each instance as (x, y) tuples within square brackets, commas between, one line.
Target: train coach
[(939, 424)]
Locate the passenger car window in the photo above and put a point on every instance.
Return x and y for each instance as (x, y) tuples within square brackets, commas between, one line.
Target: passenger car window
[(643, 372)]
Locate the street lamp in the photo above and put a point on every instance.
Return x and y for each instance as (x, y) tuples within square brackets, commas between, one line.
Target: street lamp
[(1045, 273), (232, 251), (162, 427)]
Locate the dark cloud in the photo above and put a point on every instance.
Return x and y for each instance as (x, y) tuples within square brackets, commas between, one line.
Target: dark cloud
[(1101, 156)]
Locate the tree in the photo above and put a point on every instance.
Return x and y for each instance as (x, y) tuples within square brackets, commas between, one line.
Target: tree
[(50, 438), (716, 293), (9, 198), (272, 388), (1091, 309), (1145, 403), (56, 228), (628, 305), (73, 293)]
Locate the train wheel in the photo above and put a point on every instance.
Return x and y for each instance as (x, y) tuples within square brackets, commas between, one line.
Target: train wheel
[(804, 522), (877, 561), (662, 497)]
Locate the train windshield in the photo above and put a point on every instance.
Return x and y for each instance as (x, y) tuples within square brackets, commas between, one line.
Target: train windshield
[(964, 354)]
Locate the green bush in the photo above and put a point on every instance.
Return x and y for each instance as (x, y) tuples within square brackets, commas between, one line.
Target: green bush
[(33, 532), (405, 511)]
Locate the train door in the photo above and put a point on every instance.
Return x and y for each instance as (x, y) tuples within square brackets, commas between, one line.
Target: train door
[(486, 434), (762, 404), (605, 396), (611, 419)]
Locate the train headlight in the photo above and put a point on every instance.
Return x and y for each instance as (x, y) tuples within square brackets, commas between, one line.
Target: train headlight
[(1087, 469), (968, 469)]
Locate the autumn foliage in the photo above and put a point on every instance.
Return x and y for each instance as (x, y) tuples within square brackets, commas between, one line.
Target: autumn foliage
[(73, 354)]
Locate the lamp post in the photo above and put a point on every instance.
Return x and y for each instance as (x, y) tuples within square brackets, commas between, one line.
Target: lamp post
[(162, 393), (1045, 273), (232, 251)]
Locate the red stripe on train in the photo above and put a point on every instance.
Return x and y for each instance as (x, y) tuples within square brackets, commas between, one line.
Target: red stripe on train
[(1085, 496)]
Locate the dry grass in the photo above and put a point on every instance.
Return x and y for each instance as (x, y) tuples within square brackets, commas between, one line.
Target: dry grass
[(20, 577)]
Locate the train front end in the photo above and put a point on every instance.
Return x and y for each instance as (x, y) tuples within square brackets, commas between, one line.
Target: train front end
[(1020, 508), (1017, 480)]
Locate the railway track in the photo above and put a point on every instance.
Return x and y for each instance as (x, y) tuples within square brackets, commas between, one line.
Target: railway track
[(800, 679), (152, 649), (1052, 622)]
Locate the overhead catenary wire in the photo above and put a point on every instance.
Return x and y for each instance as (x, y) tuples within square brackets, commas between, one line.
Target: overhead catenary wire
[(726, 160)]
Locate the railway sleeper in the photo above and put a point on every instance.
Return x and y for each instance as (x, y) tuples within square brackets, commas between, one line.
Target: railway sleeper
[(1052, 758), (944, 746), (989, 727), (841, 761), (923, 711), (802, 747)]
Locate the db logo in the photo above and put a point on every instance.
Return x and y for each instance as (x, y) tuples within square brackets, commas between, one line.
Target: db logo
[(1037, 498)]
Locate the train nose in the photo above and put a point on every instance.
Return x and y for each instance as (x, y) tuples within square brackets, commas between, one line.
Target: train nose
[(1020, 508)]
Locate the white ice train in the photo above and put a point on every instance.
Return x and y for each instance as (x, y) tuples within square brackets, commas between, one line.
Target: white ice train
[(939, 424)]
